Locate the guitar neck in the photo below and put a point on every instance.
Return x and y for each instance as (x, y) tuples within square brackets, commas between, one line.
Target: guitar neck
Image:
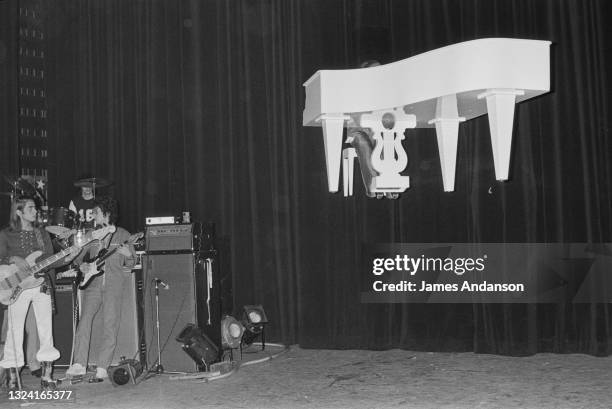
[(102, 259), (38, 267), (41, 265)]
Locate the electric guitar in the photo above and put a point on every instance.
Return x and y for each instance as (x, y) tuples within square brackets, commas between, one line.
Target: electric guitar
[(13, 280), (95, 268)]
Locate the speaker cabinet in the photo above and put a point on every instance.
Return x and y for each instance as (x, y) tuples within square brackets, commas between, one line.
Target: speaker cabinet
[(63, 333), (177, 307), (129, 328), (200, 292)]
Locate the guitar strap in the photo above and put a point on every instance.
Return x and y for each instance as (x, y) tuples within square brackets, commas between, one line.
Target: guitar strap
[(48, 286), (39, 239), (107, 242)]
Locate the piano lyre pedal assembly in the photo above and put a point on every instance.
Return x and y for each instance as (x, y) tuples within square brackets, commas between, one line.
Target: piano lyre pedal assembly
[(440, 88)]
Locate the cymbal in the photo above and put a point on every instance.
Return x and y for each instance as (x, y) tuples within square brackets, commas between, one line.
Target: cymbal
[(90, 182), (58, 230)]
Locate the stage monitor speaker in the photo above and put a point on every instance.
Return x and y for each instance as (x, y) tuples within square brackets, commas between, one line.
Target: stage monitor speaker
[(129, 330), (62, 322), (177, 307)]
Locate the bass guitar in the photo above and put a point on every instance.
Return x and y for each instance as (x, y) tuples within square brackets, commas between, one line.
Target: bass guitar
[(95, 268), (13, 280)]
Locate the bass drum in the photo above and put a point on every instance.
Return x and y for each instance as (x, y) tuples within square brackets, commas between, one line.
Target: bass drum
[(61, 216)]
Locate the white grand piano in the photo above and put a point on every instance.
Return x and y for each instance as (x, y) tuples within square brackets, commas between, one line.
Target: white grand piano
[(440, 89)]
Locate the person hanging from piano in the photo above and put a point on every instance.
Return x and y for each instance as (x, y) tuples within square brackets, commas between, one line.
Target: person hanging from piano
[(17, 243), (363, 141), (104, 293)]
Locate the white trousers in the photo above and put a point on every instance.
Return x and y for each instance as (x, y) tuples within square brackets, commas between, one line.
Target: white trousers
[(31, 341), (17, 312)]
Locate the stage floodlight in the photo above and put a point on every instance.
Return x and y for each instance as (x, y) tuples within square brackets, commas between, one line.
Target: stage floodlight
[(198, 346), (254, 319), (231, 332), (254, 316), (126, 372)]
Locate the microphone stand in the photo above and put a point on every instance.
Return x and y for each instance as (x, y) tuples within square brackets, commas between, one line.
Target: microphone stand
[(159, 369)]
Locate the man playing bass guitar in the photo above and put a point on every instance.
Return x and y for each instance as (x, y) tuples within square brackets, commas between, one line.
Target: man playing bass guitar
[(17, 243)]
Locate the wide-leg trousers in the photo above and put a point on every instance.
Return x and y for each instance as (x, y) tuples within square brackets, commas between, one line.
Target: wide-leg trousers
[(17, 312)]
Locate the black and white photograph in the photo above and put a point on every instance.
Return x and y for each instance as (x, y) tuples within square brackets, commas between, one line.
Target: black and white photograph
[(306, 204)]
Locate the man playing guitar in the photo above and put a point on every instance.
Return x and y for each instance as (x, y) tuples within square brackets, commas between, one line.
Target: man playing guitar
[(104, 293)]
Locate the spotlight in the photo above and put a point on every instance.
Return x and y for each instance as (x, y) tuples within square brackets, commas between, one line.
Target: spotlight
[(254, 316), (231, 332), (127, 371), (254, 319), (198, 346)]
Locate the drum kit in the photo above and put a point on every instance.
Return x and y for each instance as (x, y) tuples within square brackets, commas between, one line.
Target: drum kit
[(63, 222), (59, 221)]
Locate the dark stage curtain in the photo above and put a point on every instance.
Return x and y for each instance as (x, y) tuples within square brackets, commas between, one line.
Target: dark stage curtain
[(9, 31), (191, 105)]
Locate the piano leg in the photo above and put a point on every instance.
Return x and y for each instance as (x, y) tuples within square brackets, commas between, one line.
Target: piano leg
[(333, 126), (447, 130), (500, 106), (348, 166)]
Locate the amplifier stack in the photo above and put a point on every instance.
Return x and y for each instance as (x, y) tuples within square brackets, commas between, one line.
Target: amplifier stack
[(193, 291)]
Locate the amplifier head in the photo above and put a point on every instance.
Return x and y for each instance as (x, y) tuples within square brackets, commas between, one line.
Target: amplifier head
[(169, 237)]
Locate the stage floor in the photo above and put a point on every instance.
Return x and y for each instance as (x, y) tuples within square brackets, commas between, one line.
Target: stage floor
[(354, 379)]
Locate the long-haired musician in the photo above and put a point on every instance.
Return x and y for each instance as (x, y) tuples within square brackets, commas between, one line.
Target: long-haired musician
[(104, 293), (18, 241)]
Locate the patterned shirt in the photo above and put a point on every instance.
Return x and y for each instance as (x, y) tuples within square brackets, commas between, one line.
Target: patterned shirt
[(22, 243)]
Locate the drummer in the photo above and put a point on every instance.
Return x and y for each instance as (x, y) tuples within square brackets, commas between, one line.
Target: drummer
[(82, 206)]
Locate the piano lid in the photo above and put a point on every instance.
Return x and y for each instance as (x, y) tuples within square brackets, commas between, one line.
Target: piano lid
[(465, 69)]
